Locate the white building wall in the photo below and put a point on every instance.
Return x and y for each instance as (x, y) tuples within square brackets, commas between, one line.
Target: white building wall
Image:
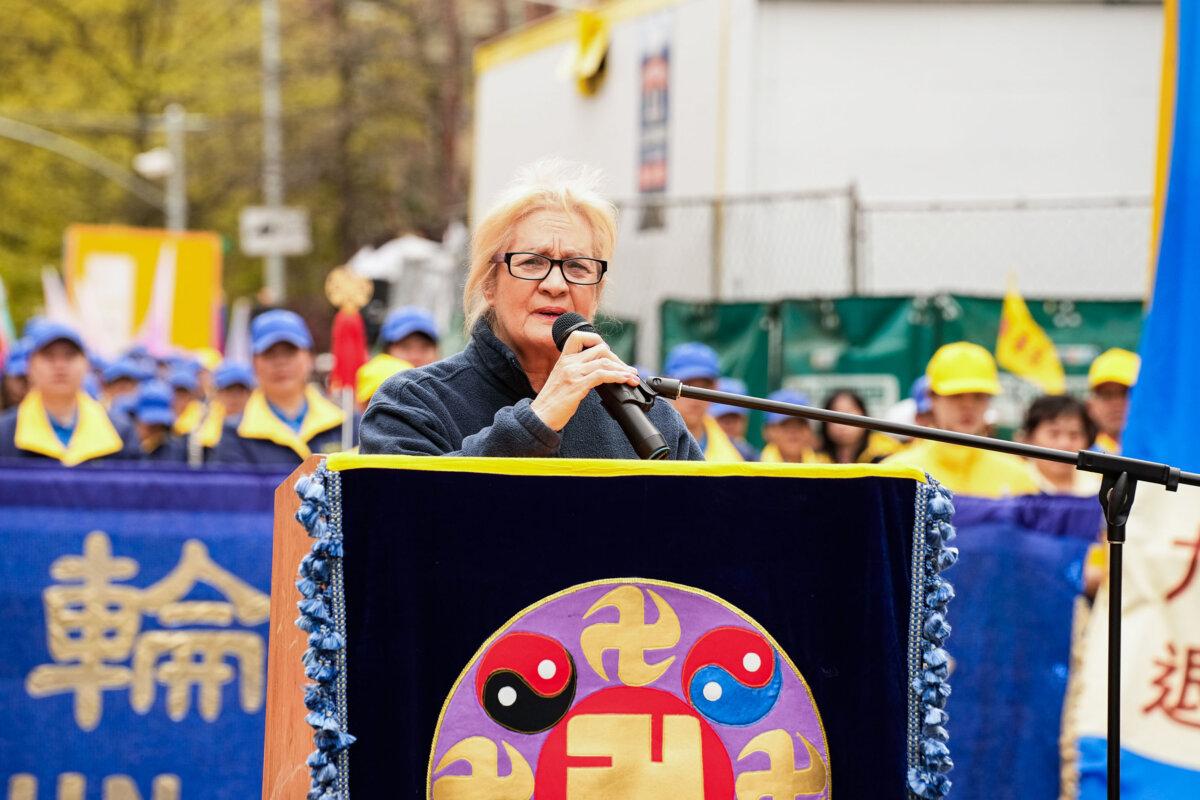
[(910, 101), (943, 101)]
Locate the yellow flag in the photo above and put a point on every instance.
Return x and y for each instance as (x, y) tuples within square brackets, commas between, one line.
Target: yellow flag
[(1024, 349)]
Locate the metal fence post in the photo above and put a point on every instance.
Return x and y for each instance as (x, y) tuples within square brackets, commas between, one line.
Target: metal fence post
[(853, 232), (718, 247)]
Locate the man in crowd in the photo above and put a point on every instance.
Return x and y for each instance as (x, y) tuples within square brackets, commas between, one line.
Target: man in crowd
[(410, 334), (734, 420), (233, 383), (696, 364), (153, 419), (57, 419), (183, 378), (14, 382), (120, 379), (790, 440), (962, 382), (285, 419), (1111, 376)]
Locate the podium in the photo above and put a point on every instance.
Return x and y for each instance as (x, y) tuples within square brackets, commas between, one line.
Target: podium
[(518, 628)]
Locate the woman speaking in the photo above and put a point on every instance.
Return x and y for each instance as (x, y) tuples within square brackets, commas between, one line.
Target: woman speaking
[(541, 252)]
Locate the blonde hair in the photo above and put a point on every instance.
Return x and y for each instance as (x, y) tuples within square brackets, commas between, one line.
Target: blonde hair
[(552, 184)]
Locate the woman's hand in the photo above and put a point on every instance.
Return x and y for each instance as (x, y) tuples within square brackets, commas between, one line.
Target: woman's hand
[(585, 363)]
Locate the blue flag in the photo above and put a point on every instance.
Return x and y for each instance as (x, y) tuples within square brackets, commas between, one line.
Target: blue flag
[(1163, 425)]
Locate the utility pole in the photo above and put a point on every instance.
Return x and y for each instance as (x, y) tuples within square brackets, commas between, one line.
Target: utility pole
[(175, 126), (272, 113)]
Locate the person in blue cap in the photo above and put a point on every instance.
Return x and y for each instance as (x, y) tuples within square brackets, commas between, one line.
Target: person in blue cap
[(153, 415), (410, 334), (790, 440), (15, 383), (233, 382), (121, 378), (285, 420), (696, 364), (734, 420), (186, 403), (57, 419)]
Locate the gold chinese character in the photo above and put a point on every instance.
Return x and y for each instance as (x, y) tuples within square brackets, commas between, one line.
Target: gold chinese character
[(96, 622), (71, 786), (196, 658), (631, 636), (781, 780), (625, 740), (87, 625), (485, 781)]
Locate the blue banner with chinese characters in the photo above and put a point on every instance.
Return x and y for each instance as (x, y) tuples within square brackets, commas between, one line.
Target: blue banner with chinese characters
[(134, 606)]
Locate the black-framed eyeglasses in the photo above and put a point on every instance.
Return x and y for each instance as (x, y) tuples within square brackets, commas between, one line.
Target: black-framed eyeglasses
[(536, 267)]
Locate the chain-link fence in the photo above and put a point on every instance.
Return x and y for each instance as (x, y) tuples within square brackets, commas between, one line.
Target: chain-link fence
[(830, 243)]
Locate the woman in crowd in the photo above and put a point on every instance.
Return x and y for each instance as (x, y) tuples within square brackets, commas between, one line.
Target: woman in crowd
[(1060, 422), (846, 444)]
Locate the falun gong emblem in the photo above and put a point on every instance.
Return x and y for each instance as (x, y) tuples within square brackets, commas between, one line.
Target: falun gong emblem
[(629, 689)]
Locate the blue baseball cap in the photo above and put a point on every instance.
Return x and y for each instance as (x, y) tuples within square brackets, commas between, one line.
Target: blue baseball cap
[(153, 404), (17, 363), (125, 368), (406, 321), (279, 325), (786, 396), (46, 333), (182, 378), (232, 373), (91, 385), (733, 386), (178, 362), (692, 360), (920, 395)]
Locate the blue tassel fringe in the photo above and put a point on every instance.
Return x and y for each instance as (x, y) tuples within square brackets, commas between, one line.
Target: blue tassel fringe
[(325, 642)]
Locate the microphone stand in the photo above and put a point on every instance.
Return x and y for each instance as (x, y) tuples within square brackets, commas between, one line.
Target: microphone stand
[(1120, 476)]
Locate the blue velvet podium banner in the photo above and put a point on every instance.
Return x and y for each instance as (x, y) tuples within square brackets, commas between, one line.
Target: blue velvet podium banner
[(134, 606), (504, 629)]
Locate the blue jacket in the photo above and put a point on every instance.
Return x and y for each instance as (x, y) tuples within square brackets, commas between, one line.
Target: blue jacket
[(476, 403), (258, 437), (25, 432)]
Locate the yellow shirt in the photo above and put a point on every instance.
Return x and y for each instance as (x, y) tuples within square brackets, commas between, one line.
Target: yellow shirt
[(966, 470), (717, 446), (771, 455)]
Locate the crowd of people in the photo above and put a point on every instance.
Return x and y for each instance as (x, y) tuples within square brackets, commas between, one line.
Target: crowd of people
[(955, 394), (194, 408), (60, 404)]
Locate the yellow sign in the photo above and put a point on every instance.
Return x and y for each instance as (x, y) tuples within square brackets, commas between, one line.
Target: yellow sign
[(111, 270)]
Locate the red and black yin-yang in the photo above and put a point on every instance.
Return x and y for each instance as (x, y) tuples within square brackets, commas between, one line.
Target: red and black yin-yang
[(526, 682), (732, 676)]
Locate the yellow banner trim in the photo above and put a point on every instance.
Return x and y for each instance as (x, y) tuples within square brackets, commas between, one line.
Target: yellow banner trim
[(616, 468)]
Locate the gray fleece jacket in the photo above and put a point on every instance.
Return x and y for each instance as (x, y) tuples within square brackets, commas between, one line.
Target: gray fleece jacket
[(476, 403)]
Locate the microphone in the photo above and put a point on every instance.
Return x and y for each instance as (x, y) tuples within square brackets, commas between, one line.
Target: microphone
[(626, 404)]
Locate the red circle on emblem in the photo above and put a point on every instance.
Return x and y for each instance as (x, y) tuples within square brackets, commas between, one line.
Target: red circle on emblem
[(646, 741)]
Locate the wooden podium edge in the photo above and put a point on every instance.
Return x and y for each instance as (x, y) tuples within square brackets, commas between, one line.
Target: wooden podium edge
[(288, 738)]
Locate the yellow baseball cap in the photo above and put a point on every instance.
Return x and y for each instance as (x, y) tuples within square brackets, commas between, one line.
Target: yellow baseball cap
[(962, 368), (1114, 366), (372, 374)]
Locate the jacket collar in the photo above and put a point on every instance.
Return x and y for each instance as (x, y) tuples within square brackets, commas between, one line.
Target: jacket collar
[(210, 429), (259, 422), (94, 434), (498, 361), (190, 418)]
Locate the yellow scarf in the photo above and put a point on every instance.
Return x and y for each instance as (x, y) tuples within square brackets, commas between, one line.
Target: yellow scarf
[(717, 446), (94, 434), (771, 455), (260, 422), (189, 419), (210, 429)]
